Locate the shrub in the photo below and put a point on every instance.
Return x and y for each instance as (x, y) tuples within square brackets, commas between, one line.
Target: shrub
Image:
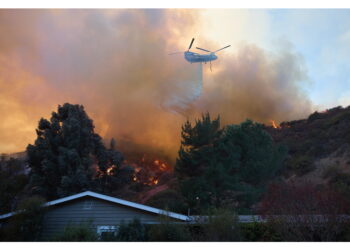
[(77, 232), (222, 225), (26, 225), (169, 231), (259, 232), (134, 231), (301, 164), (314, 116), (331, 172), (305, 212), (341, 182)]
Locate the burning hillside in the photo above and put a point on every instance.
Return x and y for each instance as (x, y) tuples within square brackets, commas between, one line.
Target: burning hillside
[(316, 145), (148, 169)]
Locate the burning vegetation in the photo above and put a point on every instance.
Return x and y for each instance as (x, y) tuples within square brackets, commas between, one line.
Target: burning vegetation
[(274, 125), (148, 169)]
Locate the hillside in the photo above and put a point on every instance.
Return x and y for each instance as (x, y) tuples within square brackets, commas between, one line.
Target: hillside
[(318, 147), (318, 152)]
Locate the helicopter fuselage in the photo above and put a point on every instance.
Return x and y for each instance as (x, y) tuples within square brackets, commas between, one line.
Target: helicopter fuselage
[(195, 57)]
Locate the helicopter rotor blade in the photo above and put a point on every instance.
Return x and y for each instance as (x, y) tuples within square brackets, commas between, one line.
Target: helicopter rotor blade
[(191, 44), (174, 53), (222, 48), (203, 49)]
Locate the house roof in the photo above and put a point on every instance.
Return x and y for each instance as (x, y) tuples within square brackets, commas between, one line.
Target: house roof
[(113, 200)]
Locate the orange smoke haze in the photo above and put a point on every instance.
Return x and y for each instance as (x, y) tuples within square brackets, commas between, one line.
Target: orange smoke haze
[(116, 64)]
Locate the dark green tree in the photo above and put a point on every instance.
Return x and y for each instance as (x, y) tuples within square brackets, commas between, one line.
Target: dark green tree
[(217, 165), (259, 157), (203, 179), (68, 156), (26, 223), (12, 182), (196, 150)]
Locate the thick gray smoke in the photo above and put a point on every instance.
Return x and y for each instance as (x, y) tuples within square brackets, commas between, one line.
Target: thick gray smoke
[(116, 64), (255, 84)]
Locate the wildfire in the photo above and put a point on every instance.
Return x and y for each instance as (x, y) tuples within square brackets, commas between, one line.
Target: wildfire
[(274, 125), (109, 170), (148, 169), (162, 166), (152, 181)]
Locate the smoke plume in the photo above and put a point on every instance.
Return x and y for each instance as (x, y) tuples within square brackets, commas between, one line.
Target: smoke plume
[(116, 64)]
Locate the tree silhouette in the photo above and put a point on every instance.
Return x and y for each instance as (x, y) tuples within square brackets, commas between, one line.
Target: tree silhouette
[(68, 156)]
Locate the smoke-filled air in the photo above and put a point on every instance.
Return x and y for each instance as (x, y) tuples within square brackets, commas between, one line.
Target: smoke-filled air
[(116, 64)]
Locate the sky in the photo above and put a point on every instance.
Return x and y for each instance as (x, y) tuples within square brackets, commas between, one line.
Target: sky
[(283, 64)]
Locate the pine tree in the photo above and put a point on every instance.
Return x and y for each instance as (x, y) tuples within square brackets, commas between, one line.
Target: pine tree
[(213, 163), (201, 177), (63, 155), (196, 149)]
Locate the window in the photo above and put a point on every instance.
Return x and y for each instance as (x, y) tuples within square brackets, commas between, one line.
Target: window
[(105, 232)]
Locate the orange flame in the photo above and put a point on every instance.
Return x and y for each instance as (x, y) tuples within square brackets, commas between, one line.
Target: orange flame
[(147, 169), (109, 170), (274, 125)]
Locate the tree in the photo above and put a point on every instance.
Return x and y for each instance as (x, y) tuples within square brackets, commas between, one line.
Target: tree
[(26, 223), (202, 180), (12, 182), (68, 156), (216, 165), (259, 158), (196, 145)]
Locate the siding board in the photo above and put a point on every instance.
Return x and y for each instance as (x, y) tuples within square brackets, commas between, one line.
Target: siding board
[(102, 213)]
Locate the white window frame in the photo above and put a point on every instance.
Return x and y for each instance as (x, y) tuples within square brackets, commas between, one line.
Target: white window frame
[(107, 229)]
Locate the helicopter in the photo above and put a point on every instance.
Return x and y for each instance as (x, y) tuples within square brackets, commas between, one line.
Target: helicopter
[(193, 57)]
